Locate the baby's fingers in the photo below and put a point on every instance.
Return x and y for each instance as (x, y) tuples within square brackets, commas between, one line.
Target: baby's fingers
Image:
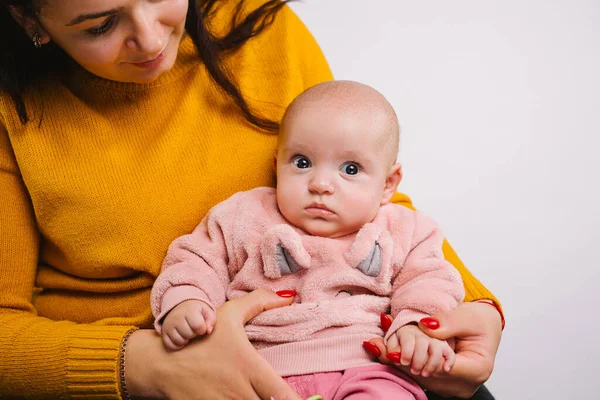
[(210, 318), (420, 355), (196, 323), (449, 356), (171, 344), (436, 359), (393, 344), (407, 345)]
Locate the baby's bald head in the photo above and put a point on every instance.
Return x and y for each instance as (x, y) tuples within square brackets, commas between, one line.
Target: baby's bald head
[(354, 100)]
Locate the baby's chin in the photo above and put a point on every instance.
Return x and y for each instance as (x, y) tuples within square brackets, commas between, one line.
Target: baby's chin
[(327, 232)]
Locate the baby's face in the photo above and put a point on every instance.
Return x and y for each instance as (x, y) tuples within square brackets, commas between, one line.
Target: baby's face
[(331, 171)]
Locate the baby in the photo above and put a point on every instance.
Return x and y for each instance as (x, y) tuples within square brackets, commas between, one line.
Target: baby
[(329, 235)]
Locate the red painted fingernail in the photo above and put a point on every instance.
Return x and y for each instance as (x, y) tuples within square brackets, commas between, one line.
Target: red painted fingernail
[(372, 349), (393, 357), (431, 323), (386, 321), (286, 293)]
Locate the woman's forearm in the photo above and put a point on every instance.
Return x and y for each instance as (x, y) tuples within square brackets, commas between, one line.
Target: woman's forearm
[(143, 357)]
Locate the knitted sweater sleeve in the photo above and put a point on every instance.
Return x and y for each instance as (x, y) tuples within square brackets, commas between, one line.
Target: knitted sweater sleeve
[(40, 358), (474, 290)]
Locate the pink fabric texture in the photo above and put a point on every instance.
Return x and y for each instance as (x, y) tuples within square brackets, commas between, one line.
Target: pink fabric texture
[(343, 284), (363, 383)]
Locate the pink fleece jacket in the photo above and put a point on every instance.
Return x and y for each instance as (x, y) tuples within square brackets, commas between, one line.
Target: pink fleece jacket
[(343, 284)]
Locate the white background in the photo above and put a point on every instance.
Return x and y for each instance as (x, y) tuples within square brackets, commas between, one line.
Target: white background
[(499, 103)]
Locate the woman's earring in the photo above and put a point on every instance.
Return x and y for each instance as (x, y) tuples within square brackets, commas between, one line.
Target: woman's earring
[(37, 42)]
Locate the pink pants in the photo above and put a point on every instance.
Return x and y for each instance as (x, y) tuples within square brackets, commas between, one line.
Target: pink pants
[(371, 382)]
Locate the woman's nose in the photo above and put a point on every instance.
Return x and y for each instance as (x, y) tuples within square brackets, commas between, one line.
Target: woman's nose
[(148, 35)]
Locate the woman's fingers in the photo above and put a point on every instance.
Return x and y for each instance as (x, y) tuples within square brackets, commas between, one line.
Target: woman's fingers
[(385, 321), (468, 319), (250, 305), (376, 349), (476, 329), (264, 380), (268, 384)]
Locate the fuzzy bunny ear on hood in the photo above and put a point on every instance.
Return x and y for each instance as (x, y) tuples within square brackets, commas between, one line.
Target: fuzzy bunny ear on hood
[(371, 252), (285, 261), (371, 266), (282, 252)]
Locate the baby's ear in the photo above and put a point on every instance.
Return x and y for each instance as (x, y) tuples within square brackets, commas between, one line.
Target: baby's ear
[(391, 183)]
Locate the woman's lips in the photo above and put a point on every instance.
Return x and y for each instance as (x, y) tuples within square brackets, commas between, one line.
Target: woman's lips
[(151, 63)]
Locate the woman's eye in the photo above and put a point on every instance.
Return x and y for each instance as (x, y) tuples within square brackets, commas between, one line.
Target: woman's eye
[(350, 168), (103, 28), (301, 162)]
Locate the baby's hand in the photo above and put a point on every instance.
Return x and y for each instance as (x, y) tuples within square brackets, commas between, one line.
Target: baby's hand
[(425, 355), (187, 320)]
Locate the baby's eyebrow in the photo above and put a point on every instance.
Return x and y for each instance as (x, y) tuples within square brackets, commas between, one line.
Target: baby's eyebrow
[(352, 155)]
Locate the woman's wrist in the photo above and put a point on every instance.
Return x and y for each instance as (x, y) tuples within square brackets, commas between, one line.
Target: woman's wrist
[(496, 306), (122, 380), (142, 360)]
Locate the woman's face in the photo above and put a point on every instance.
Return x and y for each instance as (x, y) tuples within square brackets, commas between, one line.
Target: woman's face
[(120, 40)]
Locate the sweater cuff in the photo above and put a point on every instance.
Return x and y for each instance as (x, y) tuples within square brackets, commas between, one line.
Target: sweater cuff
[(403, 318), (92, 361), (175, 296)]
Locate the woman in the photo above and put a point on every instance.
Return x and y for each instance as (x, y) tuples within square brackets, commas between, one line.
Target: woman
[(118, 131)]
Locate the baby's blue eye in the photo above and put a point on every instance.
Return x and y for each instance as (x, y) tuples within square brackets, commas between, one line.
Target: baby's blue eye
[(350, 168), (301, 162)]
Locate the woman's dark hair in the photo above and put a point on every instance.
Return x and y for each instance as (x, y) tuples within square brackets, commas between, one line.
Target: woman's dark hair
[(20, 61)]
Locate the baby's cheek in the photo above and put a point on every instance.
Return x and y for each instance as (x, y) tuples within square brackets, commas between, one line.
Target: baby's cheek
[(286, 204), (365, 206)]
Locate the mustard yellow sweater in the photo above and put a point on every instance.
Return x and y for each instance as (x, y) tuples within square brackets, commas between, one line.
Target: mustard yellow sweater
[(92, 197)]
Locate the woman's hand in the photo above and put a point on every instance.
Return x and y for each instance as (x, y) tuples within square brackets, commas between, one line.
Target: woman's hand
[(222, 365), (477, 328)]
